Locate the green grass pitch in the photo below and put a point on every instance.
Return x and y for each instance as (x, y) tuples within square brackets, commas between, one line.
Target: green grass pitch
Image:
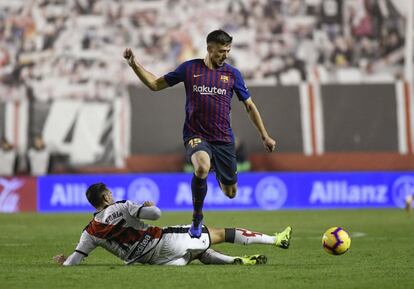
[(381, 254)]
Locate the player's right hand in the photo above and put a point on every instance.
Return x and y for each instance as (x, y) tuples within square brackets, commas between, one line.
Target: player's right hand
[(129, 56), (269, 144), (60, 259)]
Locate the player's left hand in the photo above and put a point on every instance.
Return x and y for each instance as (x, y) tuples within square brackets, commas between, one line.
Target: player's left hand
[(269, 144), (60, 259), (148, 204)]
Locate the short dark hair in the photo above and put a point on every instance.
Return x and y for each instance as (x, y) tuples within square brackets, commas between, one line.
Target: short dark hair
[(219, 36), (95, 192)]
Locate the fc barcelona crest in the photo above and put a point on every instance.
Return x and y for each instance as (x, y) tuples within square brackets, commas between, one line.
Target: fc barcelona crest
[(224, 78)]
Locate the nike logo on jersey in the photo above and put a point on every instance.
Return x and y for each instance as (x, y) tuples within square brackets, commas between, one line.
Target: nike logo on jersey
[(197, 75)]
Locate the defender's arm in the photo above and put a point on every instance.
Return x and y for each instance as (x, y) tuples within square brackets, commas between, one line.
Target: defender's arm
[(85, 246), (147, 210), (74, 259)]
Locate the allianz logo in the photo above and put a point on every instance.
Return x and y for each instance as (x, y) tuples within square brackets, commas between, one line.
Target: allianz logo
[(270, 193), (73, 194), (204, 90), (342, 192), (143, 189), (401, 188)]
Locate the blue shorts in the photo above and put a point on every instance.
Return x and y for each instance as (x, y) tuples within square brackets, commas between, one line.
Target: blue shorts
[(222, 156)]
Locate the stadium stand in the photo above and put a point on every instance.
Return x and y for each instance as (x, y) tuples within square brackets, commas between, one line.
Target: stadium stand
[(72, 42), (52, 50)]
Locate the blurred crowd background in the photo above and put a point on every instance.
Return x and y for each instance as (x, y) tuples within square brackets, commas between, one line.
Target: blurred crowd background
[(78, 44)]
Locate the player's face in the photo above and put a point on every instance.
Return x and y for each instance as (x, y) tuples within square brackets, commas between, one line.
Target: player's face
[(218, 53), (108, 197)]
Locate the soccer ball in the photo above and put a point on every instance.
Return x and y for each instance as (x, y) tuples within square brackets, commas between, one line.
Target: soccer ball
[(336, 241)]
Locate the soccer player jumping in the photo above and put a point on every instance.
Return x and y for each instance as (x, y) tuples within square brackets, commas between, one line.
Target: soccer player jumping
[(208, 136)]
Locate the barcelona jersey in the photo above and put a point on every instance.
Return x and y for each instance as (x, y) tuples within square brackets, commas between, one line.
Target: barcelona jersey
[(208, 99)]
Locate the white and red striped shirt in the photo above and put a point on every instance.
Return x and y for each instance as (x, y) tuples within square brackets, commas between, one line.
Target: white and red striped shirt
[(118, 228)]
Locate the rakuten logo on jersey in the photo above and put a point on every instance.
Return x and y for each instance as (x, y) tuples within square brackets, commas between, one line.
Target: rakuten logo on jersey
[(341, 192), (204, 90)]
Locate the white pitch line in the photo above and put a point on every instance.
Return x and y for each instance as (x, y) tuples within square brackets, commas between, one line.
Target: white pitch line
[(14, 244), (353, 235), (358, 234)]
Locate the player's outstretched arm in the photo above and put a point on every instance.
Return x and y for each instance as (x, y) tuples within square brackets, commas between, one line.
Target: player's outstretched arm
[(85, 246), (74, 259), (150, 80), (255, 117)]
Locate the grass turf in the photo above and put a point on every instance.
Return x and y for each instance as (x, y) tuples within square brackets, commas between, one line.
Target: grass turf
[(381, 254)]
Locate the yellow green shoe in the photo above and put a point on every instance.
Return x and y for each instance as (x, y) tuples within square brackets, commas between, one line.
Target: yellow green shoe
[(251, 260), (283, 238)]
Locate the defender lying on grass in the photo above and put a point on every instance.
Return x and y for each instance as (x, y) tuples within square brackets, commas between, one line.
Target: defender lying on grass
[(118, 227)]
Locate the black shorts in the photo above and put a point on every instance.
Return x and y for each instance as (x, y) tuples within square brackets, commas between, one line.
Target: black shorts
[(222, 156)]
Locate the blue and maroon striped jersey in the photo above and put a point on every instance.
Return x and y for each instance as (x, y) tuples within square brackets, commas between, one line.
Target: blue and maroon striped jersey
[(208, 99)]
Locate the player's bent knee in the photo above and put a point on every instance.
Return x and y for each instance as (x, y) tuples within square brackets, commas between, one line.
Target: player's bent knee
[(201, 171), (201, 163)]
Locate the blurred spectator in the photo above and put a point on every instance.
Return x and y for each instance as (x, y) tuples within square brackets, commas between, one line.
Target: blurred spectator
[(391, 42), (243, 163), (331, 17), (38, 158), (188, 167), (342, 53), (8, 158)]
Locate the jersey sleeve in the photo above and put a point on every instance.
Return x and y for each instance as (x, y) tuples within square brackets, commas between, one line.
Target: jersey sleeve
[(74, 259), (143, 212), (240, 87), (176, 76), (133, 208), (85, 246), (150, 213)]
